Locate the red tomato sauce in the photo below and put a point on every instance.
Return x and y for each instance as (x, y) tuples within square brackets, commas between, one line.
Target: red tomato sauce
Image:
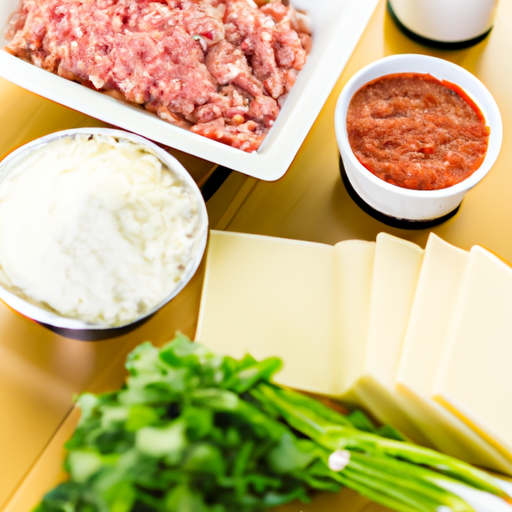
[(417, 132)]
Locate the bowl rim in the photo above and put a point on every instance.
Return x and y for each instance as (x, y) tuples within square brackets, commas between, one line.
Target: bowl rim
[(433, 66), (54, 319)]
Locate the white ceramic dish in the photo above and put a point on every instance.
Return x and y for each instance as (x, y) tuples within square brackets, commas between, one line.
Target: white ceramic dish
[(401, 203), (451, 22), (337, 27), (50, 318)]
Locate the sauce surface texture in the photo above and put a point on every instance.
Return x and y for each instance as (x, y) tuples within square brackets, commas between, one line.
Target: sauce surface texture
[(417, 132)]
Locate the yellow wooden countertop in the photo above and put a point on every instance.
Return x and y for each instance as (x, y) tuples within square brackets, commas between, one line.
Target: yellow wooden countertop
[(40, 371)]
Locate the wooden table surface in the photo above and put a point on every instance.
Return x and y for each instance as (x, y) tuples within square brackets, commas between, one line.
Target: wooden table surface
[(40, 371)]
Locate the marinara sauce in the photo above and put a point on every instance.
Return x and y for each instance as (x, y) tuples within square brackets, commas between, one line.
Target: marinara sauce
[(416, 132)]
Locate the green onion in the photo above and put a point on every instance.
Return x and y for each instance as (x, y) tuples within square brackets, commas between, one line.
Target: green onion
[(192, 431)]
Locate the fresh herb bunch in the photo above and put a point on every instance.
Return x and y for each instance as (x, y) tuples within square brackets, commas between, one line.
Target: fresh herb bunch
[(192, 431)]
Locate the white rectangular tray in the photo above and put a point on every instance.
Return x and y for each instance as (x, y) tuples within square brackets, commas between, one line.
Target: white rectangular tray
[(337, 26)]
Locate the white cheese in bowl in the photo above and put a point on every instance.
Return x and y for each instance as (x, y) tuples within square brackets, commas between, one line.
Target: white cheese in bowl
[(94, 227)]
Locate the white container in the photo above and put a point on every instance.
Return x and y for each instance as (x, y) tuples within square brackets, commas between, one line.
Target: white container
[(398, 202), (337, 26), (446, 21), (53, 319)]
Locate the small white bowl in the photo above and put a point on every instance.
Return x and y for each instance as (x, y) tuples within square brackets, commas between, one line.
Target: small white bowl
[(400, 203), (62, 323), (456, 21)]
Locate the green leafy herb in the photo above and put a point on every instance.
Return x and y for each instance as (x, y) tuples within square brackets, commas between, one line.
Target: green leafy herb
[(192, 431)]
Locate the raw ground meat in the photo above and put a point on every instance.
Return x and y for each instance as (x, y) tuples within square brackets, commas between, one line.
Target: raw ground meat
[(220, 68)]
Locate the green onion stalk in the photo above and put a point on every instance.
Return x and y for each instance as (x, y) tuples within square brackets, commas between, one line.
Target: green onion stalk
[(193, 431)]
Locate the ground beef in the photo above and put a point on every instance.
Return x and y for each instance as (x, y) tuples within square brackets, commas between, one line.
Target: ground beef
[(414, 131), (220, 68)]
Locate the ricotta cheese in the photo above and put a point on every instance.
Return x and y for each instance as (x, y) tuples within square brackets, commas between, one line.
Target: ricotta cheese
[(95, 228)]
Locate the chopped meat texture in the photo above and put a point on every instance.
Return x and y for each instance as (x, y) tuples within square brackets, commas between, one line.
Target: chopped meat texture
[(228, 64), (221, 68)]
